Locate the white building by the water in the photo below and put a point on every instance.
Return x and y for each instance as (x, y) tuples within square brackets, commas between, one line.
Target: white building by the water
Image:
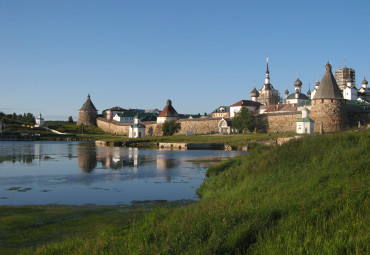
[(136, 130), (39, 121)]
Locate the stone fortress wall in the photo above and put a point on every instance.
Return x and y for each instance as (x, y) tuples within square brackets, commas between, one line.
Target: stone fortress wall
[(278, 122), (271, 122), (197, 126)]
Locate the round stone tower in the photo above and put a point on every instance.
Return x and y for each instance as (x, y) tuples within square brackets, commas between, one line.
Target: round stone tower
[(328, 108), (87, 114)]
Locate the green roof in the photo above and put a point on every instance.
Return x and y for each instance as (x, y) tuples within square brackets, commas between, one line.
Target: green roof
[(304, 120), (355, 102), (305, 103), (138, 126)]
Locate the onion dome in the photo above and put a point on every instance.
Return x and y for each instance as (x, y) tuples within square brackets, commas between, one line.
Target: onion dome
[(365, 81), (317, 83), (254, 93), (286, 91), (309, 92), (298, 83)]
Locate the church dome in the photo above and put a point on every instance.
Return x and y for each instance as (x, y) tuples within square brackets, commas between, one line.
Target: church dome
[(317, 83), (300, 96), (254, 93), (309, 92), (286, 91), (365, 81), (298, 83)]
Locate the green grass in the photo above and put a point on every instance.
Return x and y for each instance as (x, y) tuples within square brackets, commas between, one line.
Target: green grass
[(308, 196), (25, 227)]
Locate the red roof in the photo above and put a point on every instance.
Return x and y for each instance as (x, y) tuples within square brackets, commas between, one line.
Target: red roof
[(281, 108), (246, 103), (168, 111)]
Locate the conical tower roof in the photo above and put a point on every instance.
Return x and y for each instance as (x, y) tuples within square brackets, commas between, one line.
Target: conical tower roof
[(328, 88), (88, 105), (168, 110)]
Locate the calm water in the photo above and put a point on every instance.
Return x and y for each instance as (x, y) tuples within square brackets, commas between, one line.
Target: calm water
[(76, 173)]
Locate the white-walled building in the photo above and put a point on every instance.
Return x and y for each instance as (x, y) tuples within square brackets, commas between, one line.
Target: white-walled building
[(136, 130), (39, 121), (250, 105), (313, 92), (350, 91), (305, 125), (364, 91), (224, 126), (168, 113)]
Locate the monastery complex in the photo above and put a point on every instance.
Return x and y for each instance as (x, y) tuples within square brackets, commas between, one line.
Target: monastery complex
[(333, 105)]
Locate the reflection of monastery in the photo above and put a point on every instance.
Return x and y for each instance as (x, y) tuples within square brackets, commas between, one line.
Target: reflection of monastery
[(334, 104)]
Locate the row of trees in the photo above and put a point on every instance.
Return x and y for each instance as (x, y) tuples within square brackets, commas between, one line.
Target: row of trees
[(26, 118)]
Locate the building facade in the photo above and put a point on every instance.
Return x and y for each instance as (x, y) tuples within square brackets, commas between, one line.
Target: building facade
[(168, 113), (268, 95)]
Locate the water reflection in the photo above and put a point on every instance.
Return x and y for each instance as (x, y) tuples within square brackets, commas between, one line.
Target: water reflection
[(86, 153), (80, 173)]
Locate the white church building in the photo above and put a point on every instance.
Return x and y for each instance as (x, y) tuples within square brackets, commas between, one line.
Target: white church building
[(305, 125), (137, 129)]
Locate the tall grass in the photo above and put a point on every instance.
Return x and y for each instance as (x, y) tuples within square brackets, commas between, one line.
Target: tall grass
[(308, 196)]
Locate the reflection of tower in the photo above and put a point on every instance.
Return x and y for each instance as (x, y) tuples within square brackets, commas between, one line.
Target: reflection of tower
[(164, 165), (37, 152), (133, 154), (86, 153)]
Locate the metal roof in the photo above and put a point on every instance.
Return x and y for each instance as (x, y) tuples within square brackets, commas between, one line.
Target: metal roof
[(88, 105), (300, 96), (328, 88)]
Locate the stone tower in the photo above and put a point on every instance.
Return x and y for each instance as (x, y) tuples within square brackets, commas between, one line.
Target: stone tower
[(328, 108), (87, 114)]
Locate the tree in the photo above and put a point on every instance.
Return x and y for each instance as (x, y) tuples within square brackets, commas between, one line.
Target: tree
[(244, 120), (70, 119), (170, 128)]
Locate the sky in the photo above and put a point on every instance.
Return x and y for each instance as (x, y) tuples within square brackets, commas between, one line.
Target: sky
[(201, 54)]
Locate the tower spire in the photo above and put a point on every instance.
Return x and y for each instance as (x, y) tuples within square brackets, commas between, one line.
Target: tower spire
[(267, 69), (345, 61)]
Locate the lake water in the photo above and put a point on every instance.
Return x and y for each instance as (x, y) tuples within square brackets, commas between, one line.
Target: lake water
[(78, 173)]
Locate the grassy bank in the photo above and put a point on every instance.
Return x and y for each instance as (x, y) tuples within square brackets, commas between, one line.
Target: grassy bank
[(26, 227), (308, 196)]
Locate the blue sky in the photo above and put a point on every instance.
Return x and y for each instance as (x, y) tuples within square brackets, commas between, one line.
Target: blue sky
[(200, 54)]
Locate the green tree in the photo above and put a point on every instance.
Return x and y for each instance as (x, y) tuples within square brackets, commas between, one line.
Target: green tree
[(244, 120), (29, 118), (70, 119), (170, 128)]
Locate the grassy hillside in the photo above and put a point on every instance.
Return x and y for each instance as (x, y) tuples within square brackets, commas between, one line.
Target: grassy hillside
[(309, 196)]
